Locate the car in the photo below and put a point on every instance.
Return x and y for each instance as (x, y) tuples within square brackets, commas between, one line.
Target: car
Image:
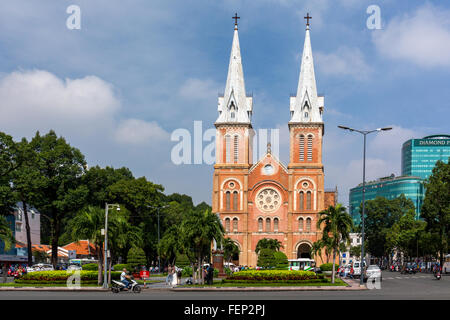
[(356, 267), (74, 267), (40, 267), (373, 271)]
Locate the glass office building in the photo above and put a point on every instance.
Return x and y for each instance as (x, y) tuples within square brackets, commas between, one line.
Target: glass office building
[(419, 156), (390, 188)]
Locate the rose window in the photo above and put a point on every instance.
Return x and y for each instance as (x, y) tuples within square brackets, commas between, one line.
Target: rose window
[(268, 200)]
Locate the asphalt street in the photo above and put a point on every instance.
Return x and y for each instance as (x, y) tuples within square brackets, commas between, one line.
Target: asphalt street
[(394, 286)]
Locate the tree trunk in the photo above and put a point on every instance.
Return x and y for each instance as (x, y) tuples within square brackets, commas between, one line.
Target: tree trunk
[(100, 265), (193, 272), (200, 270), (334, 262), (109, 271), (55, 236), (27, 226)]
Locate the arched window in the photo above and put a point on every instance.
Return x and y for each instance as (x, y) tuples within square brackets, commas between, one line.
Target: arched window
[(310, 148), (268, 228), (308, 224), (275, 225), (236, 149), (227, 200), (235, 201), (260, 224), (302, 201), (235, 225), (300, 225), (227, 225), (227, 149), (308, 200), (301, 148)]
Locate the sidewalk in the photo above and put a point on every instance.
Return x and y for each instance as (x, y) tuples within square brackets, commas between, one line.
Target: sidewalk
[(352, 285)]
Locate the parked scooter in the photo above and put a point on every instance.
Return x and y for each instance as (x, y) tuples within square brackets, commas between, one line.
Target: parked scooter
[(118, 286)]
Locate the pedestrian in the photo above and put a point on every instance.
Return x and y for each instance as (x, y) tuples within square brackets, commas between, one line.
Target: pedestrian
[(169, 275)]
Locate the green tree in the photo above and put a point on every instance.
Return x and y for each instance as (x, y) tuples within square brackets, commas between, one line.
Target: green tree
[(88, 223), (230, 249), (356, 251), (171, 244), (265, 243), (6, 234), (136, 258), (8, 163), (266, 258), (26, 184), (281, 260), (61, 167), (381, 215), (436, 206), (337, 224), (198, 230)]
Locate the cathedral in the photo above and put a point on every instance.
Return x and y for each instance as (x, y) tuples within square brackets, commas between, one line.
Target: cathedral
[(268, 199)]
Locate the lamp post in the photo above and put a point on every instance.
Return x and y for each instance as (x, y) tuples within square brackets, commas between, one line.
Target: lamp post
[(157, 209), (364, 133), (105, 258)]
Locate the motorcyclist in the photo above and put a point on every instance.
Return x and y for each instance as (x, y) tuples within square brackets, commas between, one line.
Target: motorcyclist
[(123, 278)]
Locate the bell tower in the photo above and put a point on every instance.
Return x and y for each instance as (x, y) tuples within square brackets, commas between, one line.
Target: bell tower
[(306, 130)]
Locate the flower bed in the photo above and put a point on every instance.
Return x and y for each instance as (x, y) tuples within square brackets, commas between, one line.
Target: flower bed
[(275, 276), (61, 276)]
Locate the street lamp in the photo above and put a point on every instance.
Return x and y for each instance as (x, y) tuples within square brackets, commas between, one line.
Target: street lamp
[(364, 133), (158, 209), (105, 273)]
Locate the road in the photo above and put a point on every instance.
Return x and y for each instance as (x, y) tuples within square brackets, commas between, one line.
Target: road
[(393, 286)]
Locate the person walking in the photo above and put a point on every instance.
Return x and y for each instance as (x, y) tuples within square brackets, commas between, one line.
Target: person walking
[(169, 275)]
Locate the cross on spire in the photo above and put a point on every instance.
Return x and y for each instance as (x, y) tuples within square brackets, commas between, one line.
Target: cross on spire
[(235, 19), (307, 19)]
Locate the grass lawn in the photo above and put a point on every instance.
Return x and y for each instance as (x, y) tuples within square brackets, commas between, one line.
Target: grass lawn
[(218, 283)]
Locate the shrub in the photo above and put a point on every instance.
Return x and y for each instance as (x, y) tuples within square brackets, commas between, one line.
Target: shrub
[(328, 267), (274, 275), (136, 258), (228, 271), (90, 267), (119, 267), (266, 258), (61, 276), (187, 272), (281, 260)]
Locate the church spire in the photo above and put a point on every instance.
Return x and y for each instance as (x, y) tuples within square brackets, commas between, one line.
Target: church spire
[(307, 106), (235, 106)]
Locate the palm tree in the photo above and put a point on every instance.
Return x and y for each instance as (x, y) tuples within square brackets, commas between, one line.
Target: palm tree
[(199, 229), (337, 225), (265, 243), (88, 223)]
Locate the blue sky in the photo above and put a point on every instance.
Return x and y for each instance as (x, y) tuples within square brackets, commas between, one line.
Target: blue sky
[(135, 72)]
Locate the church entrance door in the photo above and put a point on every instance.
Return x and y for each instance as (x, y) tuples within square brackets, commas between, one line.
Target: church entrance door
[(304, 251)]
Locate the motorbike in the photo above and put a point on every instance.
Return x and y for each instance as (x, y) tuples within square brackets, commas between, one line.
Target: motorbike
[(118, 286), (437, 275)]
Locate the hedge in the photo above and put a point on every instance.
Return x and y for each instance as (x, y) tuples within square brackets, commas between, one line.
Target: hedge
[(274, 275), (328, 267), (275, 281), (61, 276), (90, 267), (119, 267)]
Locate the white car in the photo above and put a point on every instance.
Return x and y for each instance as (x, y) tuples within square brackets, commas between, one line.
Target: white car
[(373, 271), (40, 267), (356, 267)]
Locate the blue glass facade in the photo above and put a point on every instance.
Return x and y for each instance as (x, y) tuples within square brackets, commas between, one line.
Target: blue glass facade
[(419, 156), (389, 188)]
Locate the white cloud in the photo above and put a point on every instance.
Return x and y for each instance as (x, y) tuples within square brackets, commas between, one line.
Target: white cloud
[(421, 37), (345, 61), (40, 100), (138, 132)]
